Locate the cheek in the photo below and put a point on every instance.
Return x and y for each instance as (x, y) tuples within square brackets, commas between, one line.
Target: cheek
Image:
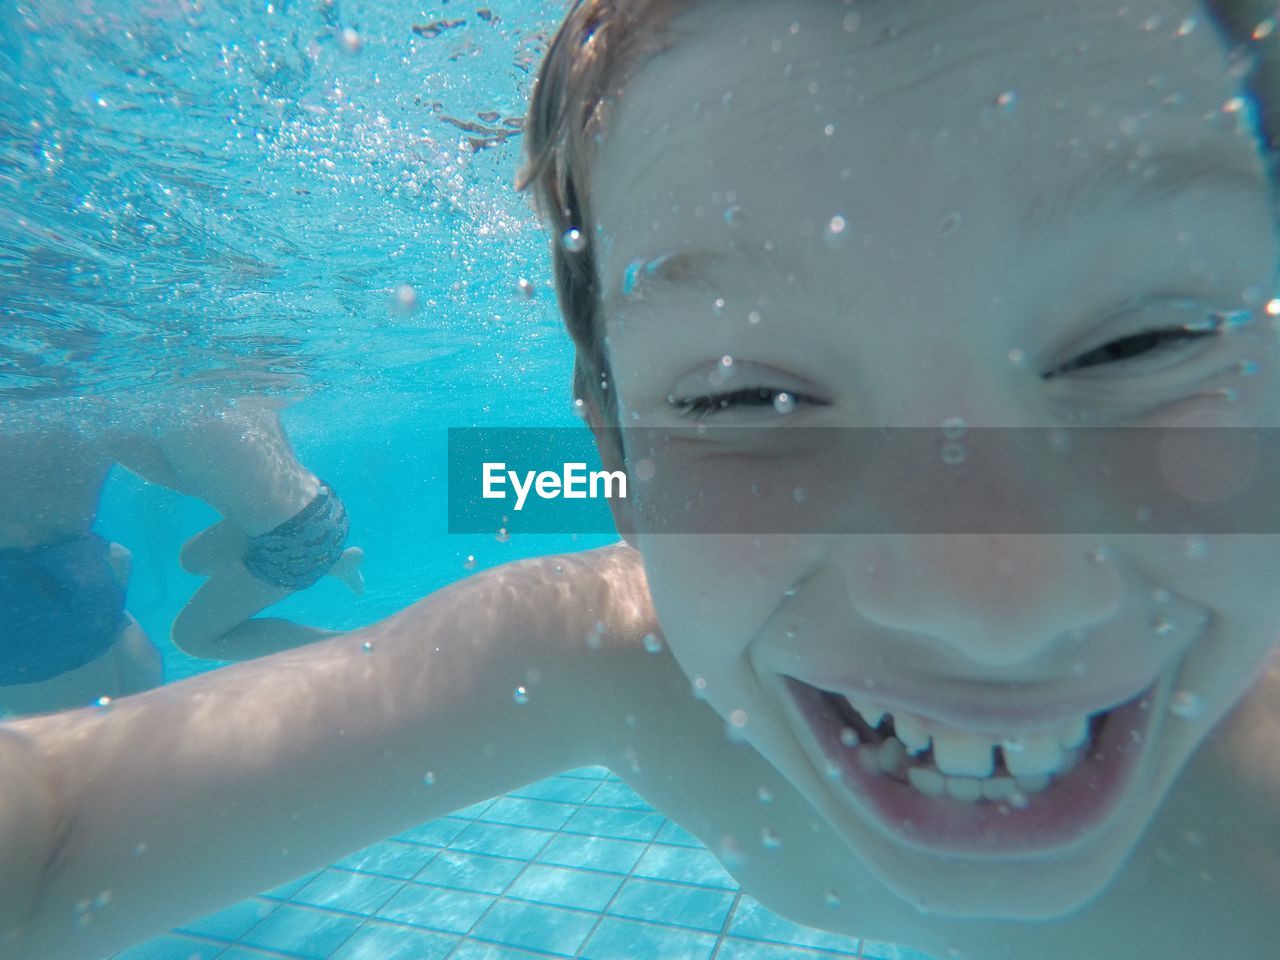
[(715, 594)]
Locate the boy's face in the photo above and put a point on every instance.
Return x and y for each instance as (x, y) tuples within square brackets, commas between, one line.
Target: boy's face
[(1018, 183)]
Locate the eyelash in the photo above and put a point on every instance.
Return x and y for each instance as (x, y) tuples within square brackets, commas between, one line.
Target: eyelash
[(1120, 350), (708, 405), (1125, 349)]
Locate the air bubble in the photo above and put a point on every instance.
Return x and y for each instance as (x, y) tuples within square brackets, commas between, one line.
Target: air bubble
[(1097, 555), (849, 737), (103, 703), (953, 454), (502, 536), (1161, 626), (404, 299), (831, 898), (1186, 705), (699, 688), (1195, 548), (851, 22), (1186, 27), (770, 839), (469, 563), (367, 647), (735, 216), (953, 428), (949, 224), (764, 795), (717, 306), (754, 318), (1017, 358), (524, 287), (837, 233), (429, 778), (520, 696), (799, 495), (783, 402), (652, 643), (1264, 29), (738, 718), (351, 40), (573, 241)]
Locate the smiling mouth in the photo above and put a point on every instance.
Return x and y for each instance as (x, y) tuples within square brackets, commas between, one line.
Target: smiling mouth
[(951, 790)]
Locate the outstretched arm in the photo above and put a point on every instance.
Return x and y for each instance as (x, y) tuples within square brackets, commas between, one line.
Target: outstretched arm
[(174, 802)]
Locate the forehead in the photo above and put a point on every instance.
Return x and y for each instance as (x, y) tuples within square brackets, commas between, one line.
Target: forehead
[(945, 94)]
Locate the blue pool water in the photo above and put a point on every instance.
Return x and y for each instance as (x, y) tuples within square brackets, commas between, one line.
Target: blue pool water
[(312, 199)]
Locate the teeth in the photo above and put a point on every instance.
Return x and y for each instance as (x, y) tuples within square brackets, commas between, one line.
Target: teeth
[(964, 788), (1074, 733), (929, 782), (910, 730), (963, 754), (891, 755), (1037, 754)]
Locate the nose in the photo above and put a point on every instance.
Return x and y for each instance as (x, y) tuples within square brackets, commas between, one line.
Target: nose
[(993, 599)]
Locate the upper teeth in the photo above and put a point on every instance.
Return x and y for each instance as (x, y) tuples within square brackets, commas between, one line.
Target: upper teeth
[(961, 753)]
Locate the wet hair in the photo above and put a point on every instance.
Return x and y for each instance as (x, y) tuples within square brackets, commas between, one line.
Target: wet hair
[(603, 42)]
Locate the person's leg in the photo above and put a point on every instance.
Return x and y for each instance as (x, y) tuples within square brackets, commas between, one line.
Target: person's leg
[(76, 688), (139, 665)]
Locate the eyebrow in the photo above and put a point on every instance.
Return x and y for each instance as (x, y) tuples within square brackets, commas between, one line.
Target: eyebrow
[(707, 270), (1160, 178)]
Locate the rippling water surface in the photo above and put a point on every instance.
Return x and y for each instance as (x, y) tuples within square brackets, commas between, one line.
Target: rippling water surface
[(285, 196)]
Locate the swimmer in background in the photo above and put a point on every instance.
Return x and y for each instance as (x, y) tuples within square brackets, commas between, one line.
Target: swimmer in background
[(67, 638), (1118, 201)]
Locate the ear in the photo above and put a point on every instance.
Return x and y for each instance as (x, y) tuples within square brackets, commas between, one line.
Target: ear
[(609, 446)]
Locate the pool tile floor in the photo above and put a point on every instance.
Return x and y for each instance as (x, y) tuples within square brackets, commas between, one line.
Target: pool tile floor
[(577, 867)]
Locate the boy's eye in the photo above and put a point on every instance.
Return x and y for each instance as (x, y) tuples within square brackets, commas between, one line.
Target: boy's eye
[(699, 407), (1144, 344)]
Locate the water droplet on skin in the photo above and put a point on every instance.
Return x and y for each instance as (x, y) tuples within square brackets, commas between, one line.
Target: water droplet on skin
[(525, 288), (1017, 358), (367, 647), (770, 839), (849, 737), (469, 563), (103, 703), (521, 695), (1186, 27), (1264, 29), (837, 233), (699, 688), (754, 318), (1186, 705), (783, 403), (429, 779), (738, 718), (764, 795), (573, 241), (652, 643)]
